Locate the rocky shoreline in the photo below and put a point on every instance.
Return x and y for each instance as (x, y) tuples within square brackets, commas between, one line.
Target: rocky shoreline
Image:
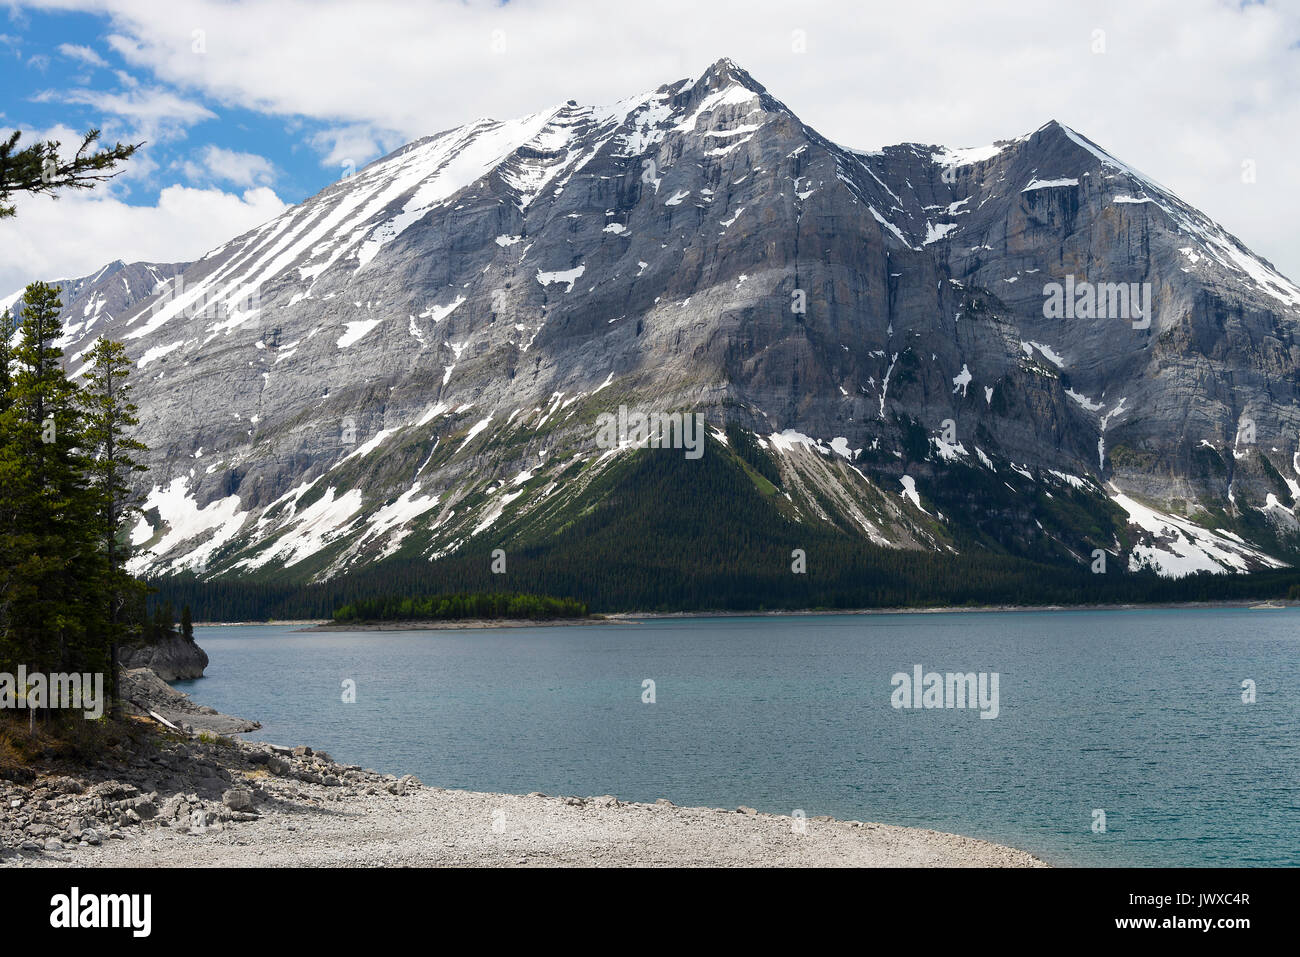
[(190, 797), (145, 694), (189, 786)]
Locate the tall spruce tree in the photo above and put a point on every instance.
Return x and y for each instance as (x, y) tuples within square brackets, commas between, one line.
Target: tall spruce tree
[(110, 415), (55, 571), (8, 652)]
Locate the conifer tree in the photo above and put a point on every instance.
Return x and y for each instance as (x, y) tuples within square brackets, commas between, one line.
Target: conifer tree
[(8, 652), (110, 415), (54, 570)]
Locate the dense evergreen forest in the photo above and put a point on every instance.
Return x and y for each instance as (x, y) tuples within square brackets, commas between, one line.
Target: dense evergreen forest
[(912, 580), (460, 606)]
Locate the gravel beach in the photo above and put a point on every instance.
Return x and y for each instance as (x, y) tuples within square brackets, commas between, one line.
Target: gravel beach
[(433, 827)]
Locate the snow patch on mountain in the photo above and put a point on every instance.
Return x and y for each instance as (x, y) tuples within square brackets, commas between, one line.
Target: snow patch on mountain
[(1176, 547), (569, 276), (307, 532), (184, 521), (356, 330)]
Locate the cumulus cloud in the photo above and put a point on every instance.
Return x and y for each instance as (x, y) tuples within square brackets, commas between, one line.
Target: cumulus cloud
[(78, 233), (157, 113), (351, 147), (213, 163)]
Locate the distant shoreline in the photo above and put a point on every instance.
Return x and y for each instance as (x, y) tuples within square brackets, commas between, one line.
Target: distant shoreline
[(1277, 604), (460, 624), (626, 617)]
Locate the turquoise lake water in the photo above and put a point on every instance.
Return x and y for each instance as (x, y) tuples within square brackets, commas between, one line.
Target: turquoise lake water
[(1135, 713)]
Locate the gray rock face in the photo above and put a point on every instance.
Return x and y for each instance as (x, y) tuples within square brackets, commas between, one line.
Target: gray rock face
[(424, 347), (172, 659)]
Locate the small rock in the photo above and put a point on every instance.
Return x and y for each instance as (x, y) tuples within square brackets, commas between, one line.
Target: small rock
[(66, 785), (237, 800), (746, 810), (400, 786), (113, 790)]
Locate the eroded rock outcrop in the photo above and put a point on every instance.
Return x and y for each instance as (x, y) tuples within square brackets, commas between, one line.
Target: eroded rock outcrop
[(173, 658)]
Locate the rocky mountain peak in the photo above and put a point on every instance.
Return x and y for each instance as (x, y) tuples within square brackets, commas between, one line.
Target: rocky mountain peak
[(726, 72), (435, 337)]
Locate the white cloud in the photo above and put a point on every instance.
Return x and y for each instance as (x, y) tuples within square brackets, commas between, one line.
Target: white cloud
[(1185, 92), (67, 138), (354, 145), (152, 108), (83, 53), (213, 163), (78, 233)]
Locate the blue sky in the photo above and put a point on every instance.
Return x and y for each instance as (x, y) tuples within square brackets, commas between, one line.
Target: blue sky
[(61, 75), (248, 106)]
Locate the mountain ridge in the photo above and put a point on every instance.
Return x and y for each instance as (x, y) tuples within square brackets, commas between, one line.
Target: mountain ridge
[(452, 318)]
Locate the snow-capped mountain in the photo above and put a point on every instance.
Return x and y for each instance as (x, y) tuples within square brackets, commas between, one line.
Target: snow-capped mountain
[(92, 304), (913, 346)]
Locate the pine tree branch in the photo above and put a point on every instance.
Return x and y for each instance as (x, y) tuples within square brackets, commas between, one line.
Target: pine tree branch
[(39, 169)]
